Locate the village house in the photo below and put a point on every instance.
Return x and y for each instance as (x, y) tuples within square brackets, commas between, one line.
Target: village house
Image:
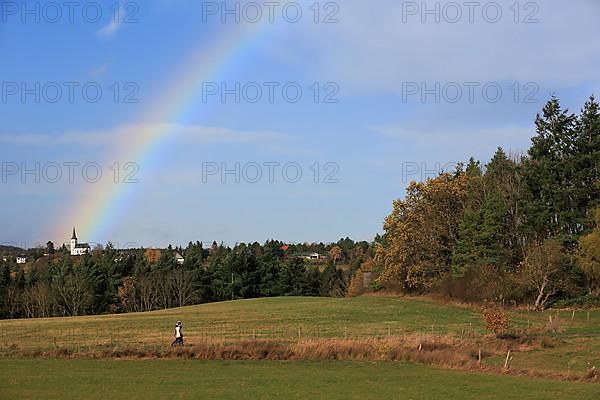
[(311, 256)]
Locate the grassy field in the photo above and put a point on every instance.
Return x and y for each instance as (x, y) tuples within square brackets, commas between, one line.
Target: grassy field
[(59, 379), (577, 344), (262, 319), (569, 356)]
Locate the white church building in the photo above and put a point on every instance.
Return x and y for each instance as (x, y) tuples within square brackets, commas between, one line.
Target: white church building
[(78, 249)]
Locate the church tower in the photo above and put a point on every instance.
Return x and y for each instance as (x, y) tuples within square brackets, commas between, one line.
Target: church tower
[(73, 242)]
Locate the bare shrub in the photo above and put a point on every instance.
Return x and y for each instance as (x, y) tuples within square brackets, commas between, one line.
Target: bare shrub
[(554, 325), (548, 343), (480, 284), (542, 271)]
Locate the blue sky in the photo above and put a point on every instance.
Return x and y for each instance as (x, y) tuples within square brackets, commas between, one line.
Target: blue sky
[(376, 56)]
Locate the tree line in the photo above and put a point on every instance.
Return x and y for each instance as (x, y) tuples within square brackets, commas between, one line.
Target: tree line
[(522, 228), (109, 280)]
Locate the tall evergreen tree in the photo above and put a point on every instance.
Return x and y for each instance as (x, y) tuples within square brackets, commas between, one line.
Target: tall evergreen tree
[(587, 162), (4, 274), (549, 170)]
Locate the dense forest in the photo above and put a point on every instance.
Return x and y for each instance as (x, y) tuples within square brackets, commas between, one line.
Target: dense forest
[(521, 229)]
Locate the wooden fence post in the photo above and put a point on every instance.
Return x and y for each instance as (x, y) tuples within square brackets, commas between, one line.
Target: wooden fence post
[(507, 361)]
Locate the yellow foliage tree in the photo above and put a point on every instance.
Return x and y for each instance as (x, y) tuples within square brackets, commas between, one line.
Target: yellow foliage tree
[(422, 230), (336, 254), (588, 256), (356, 287)]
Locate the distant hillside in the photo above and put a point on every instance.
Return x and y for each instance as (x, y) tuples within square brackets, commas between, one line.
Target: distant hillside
[(11, 250)]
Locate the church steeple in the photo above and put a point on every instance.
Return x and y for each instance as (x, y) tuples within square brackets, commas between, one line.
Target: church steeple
[(74, 237)]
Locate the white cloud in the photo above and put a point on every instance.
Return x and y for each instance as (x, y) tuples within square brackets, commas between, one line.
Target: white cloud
[(99, 70), (425, 133), (140, 132), (371, 48), (456, 143), (109, 30), (113, 26)]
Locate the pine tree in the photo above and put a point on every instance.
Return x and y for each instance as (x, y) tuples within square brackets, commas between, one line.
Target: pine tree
[(293, 278), (332, 282), (483, 237), (466, 251), (4, 274), (549, 170), (587, 163)]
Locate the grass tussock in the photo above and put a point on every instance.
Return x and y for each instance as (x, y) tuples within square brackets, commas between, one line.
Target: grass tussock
[(438, 351)]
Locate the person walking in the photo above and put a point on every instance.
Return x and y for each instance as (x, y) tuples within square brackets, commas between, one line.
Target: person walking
[(178, 335)]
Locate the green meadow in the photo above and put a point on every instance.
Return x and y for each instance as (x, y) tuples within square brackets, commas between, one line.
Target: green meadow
[(573, 348), (160, 379)]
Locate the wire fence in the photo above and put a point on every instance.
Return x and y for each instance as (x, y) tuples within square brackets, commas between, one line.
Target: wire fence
[(32, 336), (29, 334)]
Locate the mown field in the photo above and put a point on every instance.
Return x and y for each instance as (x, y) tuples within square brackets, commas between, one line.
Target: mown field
[(160, 379), (571, 348)]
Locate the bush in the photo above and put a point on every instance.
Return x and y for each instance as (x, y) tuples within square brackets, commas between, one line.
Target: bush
[(588, 301), (548, 343), (482, 283), (496, 319)]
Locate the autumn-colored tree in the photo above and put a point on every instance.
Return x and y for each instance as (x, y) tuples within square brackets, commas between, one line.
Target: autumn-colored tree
[(127, 295), (356, 287), (336, 254), (422, 231), (152, 255), (588, 256)]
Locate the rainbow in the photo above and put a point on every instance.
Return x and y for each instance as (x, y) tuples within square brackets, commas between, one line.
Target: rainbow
[(97, 208)]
